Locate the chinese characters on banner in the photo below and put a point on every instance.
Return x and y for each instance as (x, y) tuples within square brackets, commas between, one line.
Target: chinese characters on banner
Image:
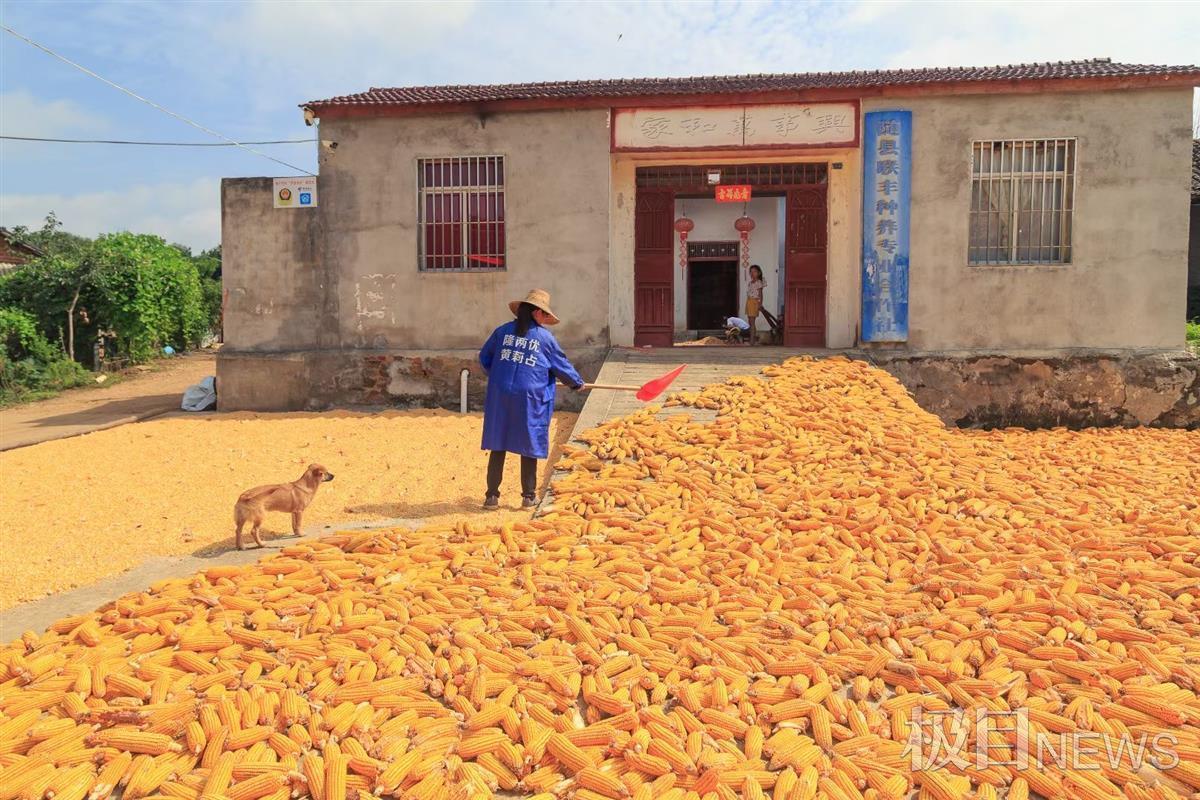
[(520, 350), (887, 177), (733, 194), (691, 127)]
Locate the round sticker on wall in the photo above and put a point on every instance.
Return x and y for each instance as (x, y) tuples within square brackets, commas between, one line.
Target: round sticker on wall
[(285, 194)]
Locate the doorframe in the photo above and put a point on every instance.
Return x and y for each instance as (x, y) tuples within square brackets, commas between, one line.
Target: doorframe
[(696, 160)]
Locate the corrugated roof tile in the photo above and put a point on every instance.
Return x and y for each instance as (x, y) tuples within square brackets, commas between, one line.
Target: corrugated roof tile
[(742, 84)]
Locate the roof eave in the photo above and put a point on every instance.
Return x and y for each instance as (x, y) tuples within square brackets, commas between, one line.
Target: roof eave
[(318, 109)]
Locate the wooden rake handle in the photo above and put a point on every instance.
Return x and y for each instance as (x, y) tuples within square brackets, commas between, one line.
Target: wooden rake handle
[(614, 386)]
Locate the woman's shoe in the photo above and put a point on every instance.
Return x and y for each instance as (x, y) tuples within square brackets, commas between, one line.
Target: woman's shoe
[(528, 501), (491, 501)]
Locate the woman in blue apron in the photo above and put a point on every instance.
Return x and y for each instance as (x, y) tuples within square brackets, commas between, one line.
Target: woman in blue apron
[(523, 360)]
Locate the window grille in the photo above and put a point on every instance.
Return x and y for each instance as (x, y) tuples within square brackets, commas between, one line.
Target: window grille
[(1022, 201), (694, 178), (460, 214), (714, 251)]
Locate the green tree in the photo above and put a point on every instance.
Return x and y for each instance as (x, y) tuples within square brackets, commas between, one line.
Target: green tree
[(148, 292), (208, 266), (144, 291), (52, 286)]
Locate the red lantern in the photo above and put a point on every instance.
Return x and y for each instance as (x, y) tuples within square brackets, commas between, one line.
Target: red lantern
[(683, 226), (744, 225)]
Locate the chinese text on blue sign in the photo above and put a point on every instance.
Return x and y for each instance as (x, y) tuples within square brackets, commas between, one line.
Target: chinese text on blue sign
[(887, 179)]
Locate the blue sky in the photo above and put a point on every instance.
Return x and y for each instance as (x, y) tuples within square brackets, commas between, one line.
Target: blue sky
[(243, 67)]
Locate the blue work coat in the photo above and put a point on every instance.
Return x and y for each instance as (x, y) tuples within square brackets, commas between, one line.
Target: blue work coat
[(520, 391)]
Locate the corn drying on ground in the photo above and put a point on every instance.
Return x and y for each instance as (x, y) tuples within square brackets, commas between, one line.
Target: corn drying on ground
[(754, 607), (78, 510)]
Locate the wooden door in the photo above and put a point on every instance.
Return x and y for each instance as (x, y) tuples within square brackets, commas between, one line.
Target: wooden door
[(712, 294), (806, 249), (654, 268)]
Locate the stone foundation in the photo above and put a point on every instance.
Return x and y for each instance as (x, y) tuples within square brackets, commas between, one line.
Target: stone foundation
[(314, 380), (1074, 391)]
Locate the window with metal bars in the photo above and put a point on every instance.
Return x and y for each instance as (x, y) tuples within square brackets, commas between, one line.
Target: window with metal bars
[(460, 214), (1022, 201)]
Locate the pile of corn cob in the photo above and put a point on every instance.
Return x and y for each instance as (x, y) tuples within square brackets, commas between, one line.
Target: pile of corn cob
[(758, 606)]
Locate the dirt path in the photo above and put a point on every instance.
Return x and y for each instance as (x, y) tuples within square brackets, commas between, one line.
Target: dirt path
[(86, 410)]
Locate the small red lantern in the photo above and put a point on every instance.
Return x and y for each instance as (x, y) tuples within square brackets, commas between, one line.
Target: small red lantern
[(683, 226), (744, 225)]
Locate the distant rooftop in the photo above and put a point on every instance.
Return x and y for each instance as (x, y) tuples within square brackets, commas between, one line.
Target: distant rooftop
[(569, 93)]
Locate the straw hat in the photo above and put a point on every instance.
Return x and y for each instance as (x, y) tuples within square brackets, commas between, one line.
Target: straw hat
[(538, 298)]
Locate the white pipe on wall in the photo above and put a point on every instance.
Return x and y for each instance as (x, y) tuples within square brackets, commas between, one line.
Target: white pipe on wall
[(462, 390)]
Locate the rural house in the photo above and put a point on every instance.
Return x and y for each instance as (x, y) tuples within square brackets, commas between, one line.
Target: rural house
[(1036, 209), (14, 253)]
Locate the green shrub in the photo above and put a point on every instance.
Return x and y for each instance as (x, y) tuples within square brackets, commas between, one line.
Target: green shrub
[(64, 374), (29, 365), (22, 339)]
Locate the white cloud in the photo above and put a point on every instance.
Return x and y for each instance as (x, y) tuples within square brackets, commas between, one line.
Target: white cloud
[(989, 32), (23, 114), (186, 213), (247, 67)]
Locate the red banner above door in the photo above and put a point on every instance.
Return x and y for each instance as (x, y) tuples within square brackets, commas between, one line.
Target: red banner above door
[(733, 194)]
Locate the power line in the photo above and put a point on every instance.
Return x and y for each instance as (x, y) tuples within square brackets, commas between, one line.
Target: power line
[(152, 144), (151, 103)]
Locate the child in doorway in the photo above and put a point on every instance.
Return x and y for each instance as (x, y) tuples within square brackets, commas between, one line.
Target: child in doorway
[(734, 327), (754, 294)]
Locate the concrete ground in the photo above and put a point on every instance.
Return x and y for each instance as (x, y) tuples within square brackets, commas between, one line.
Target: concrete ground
[(80, 411)]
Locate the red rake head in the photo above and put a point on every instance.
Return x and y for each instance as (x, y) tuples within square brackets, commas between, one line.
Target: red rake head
[(652, 389)]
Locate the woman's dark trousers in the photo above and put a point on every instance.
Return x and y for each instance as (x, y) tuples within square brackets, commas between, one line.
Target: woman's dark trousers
[(495, 474)]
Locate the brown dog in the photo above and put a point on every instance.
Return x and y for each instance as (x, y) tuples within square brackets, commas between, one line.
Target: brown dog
[(291, 498)]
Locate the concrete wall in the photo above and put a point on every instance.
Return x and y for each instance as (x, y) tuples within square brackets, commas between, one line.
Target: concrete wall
[(316, 295), (556, 208), (1125, 286), (845, 221), (714, 222), (270, 269)]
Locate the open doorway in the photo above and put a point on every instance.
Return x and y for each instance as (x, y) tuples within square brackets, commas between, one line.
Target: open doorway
[(789, 206), (712, 285)]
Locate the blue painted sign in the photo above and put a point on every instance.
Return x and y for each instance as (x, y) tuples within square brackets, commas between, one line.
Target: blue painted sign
[(887, 191)]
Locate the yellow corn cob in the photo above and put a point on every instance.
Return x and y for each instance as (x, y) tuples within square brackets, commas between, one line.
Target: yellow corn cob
[(76, 784), (567, 753), (822, 559), (194, 736), (603, 783), (135, 741), (335, 777), (259, 786), (219, 776)]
